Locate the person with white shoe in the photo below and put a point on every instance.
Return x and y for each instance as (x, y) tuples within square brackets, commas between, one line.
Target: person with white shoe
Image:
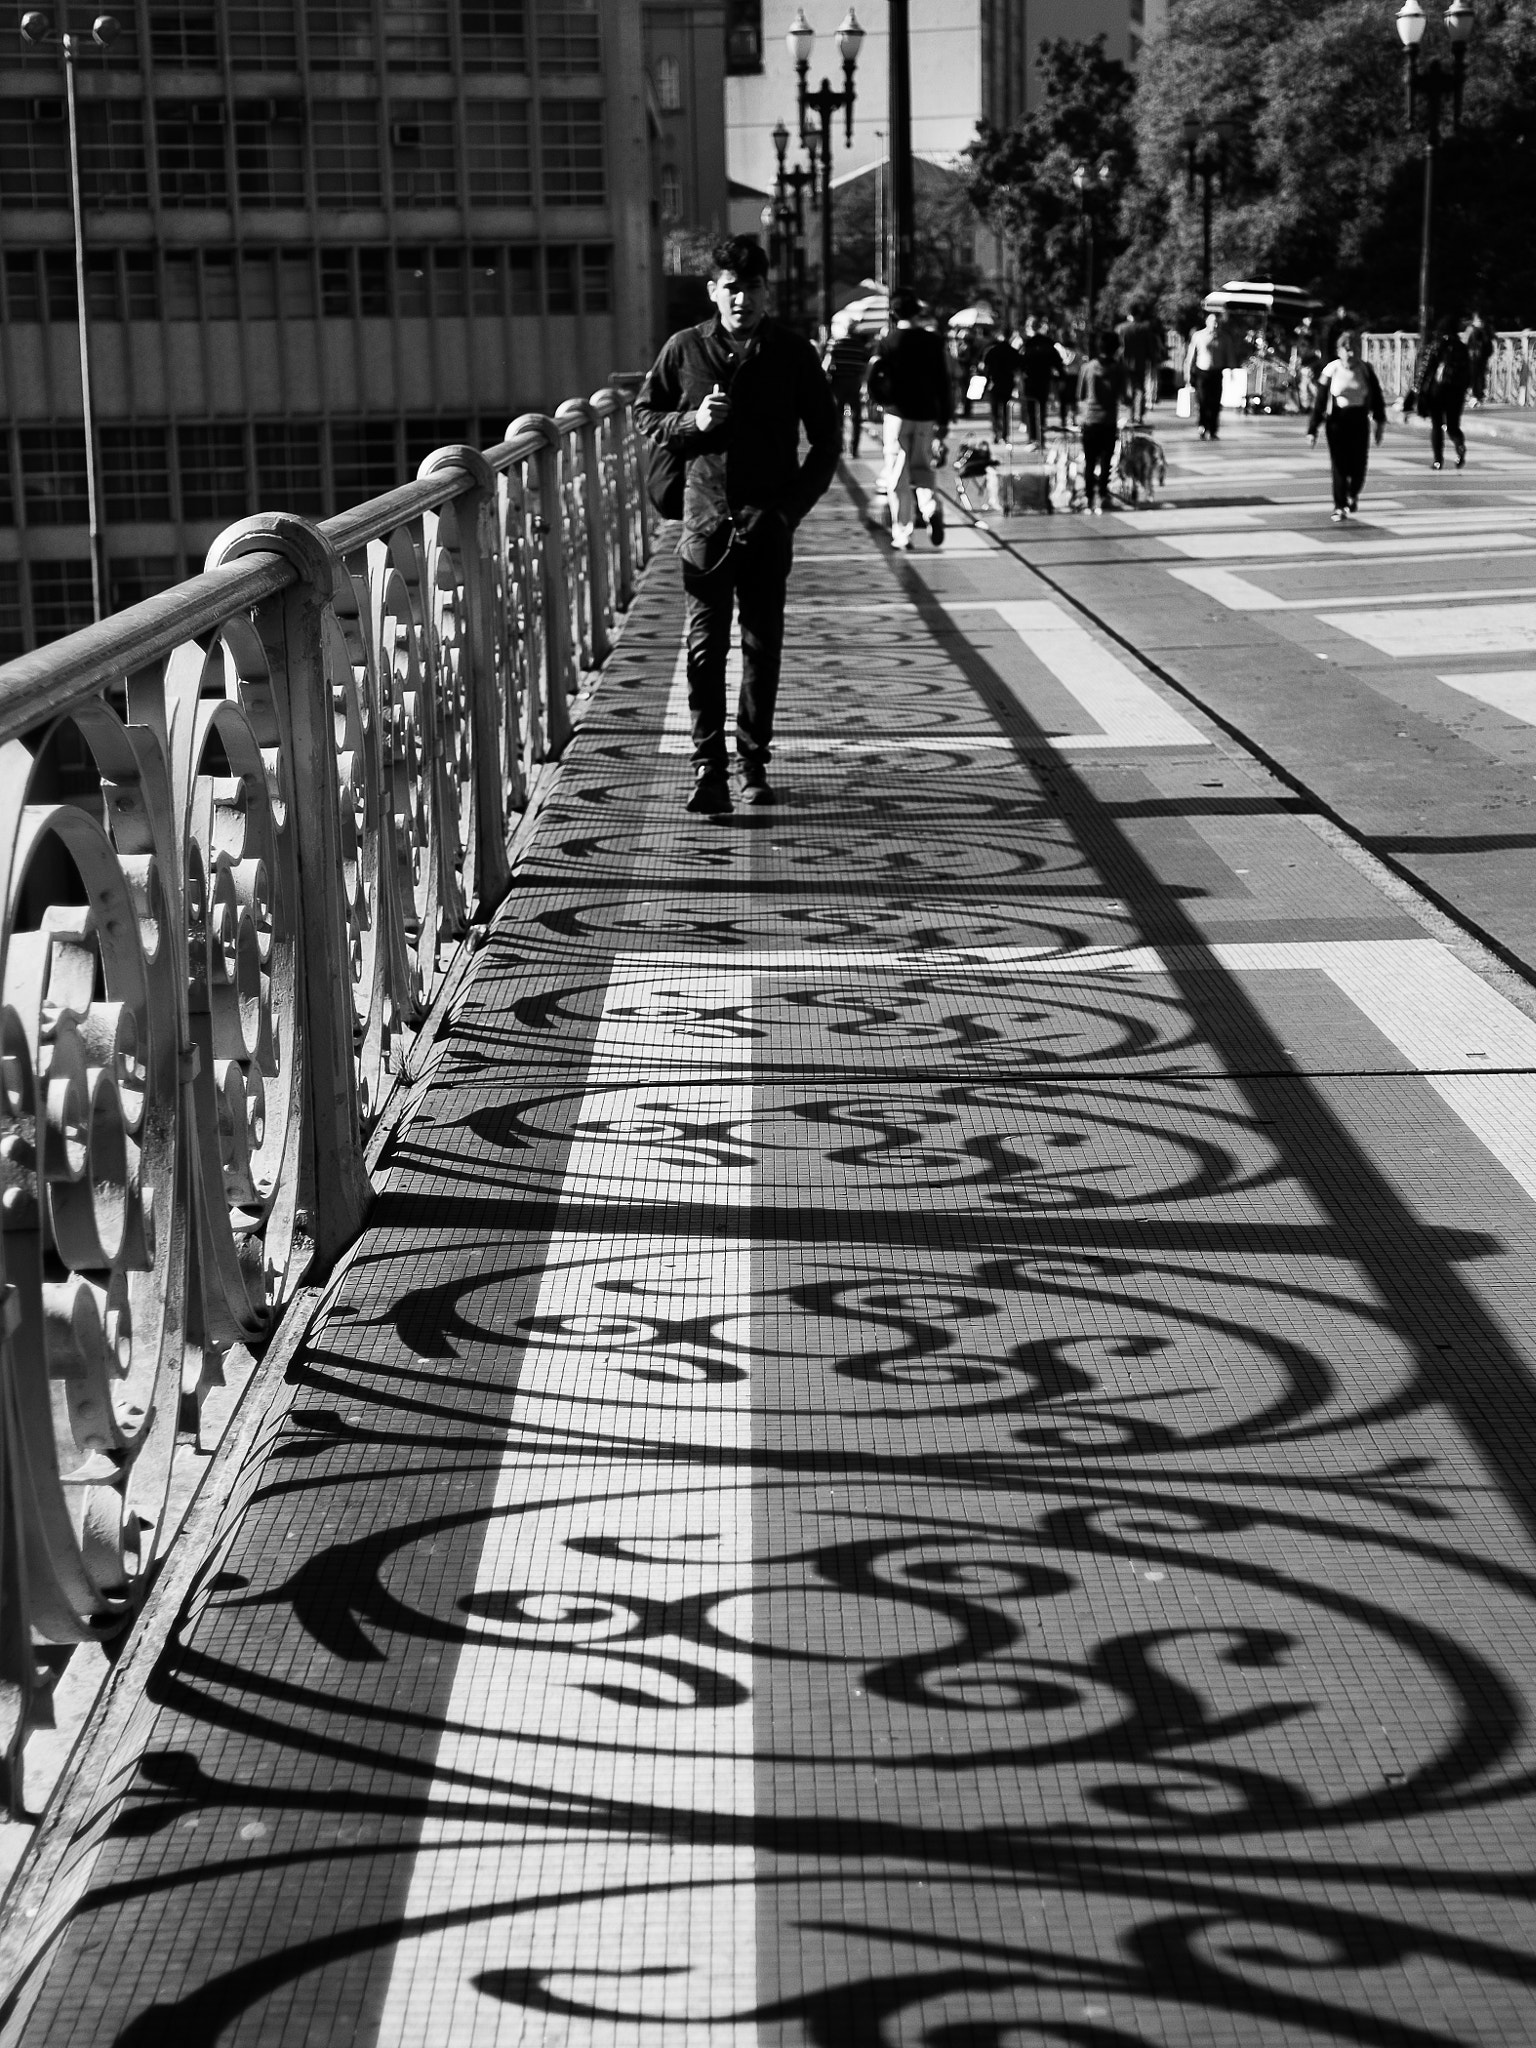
[(1348, 400), (909, 378)]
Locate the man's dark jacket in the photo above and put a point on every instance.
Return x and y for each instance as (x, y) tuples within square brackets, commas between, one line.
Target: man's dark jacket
[(909, 375), (749, 468)]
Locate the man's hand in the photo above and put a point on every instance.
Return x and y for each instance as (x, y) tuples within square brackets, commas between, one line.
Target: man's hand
[(1380, 430), (1312, 437), (714, 412)]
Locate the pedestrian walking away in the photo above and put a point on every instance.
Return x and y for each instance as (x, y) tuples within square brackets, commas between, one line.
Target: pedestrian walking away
[(1348, 400), (730, 397), (1440, 391), (845, 360), (1000, 366), (1100, 385), (1204, 361), (1069, 359), (909, 378), (1479, 342), (1137, 341), (1041, 366)]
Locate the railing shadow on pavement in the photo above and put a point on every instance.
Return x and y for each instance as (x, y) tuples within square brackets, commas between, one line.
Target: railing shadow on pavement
[(244, 825), (1138, 1771)]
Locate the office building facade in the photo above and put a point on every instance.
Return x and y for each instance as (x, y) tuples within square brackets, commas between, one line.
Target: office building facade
[(322, 239)]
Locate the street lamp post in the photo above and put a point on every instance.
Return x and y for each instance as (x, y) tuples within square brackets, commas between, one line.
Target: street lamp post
[(37, 28), (1208, 165), (824, 104), (1091, 179), (1432, 83)]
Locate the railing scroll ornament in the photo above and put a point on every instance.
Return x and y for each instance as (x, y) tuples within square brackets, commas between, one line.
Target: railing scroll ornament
[(242, 826)]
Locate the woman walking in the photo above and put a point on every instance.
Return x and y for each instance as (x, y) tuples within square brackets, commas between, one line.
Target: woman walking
[(1100, 384), (1348, 400), (1440, 391)]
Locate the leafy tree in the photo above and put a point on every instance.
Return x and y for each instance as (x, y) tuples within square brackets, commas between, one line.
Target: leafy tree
[(1022, 181), (1327, 185)]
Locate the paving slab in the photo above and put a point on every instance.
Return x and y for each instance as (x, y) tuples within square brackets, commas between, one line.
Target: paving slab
[(932, 1438)]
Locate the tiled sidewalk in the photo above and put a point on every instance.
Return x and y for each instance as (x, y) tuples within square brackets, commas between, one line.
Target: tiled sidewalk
[(931, 1440)]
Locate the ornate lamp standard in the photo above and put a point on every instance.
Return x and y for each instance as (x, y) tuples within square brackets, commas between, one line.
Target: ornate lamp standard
[(824, 104), (1091, 179), (1208, 165), (38, 28), (789, 215), (1431, 83)]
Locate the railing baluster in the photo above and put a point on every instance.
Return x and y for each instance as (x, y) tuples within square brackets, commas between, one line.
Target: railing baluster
[(559, 661)]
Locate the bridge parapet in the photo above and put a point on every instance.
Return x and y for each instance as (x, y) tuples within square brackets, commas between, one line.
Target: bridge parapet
[(244, 826)]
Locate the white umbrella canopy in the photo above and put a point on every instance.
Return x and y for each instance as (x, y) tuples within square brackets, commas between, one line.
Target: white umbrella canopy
[(1243, 295), (973, 316)]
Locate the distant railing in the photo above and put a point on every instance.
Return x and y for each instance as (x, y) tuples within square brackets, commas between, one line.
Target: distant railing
[(1511, 368), (243, 827)]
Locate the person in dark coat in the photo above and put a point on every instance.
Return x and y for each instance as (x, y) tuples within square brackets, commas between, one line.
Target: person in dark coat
[(1479, 354), (1040, 367), (1100, 388), (730, 397), (1348, 400), (1440, 391), (909, 379), (1000, 366)]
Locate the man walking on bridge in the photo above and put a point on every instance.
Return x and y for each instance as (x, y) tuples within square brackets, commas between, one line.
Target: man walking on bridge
[(909, 377), (729, 398)]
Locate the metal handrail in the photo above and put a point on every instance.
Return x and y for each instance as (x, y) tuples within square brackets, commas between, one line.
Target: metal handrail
[(244, 826)]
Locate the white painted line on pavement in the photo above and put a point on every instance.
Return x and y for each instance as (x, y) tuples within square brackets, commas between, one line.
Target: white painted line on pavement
[(1486, 629), (1131, 714), (1284, 546), (1239, 595), (624, 1492), (1511, 690)]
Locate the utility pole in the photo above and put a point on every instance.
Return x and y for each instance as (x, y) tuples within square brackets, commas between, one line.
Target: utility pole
[(902, 264)]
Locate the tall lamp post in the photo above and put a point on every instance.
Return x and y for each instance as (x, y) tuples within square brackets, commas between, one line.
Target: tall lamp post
[(1432, 83), (1208, 165), (37, 28), (824, 104), (1091, 180)]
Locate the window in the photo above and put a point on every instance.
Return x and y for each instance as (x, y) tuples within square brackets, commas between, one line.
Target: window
[(61, 599), (669, 84), (373, 282), (448, 281), (560, 280), (338, 299), (12, 640), (59, 294), (573, 152), (132, 578), (7, 507), (486, 271), (527, 284), (183, 38), (189, 153), (288, 468), (141, 291), (269, 152), (422, 436), (258, 284), (340, 36), (1139, 12), (295, 284), (219, 299), (261, 36), (416, 35), (182, 299), (363, 459), (347, 153), (34, 153), (500, 161), (671, 193), (423, 160), (213, 473), (23, 300), (568, 36), (112, 165), (411, 282), (495, 38), (136, 472), (597, 280), (101, 292), (53, 476)]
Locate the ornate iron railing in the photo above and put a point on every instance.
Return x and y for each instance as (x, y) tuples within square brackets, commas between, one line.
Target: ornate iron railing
[(243, 827), (1511, 368)]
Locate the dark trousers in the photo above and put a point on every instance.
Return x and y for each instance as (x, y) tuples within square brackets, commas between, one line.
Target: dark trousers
[(1037, 405), (1349, 447), (752, 576), (1098, 453), (1208, 396), (1444, 416), (1000, 402), (854, 405)]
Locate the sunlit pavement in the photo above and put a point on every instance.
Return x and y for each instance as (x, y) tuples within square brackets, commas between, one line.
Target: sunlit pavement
[(931, 1439)]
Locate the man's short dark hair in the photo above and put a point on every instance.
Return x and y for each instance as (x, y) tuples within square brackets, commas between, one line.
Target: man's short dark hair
[(742, 255), (1109, 342), (904, 305)]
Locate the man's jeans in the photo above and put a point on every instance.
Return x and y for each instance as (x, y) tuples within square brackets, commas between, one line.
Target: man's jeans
[(908, 473), (752, 574)]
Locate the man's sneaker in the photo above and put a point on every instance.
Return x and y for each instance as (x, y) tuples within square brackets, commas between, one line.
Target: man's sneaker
[(1339, 516), (711, 791), (936, 526), (1354, 502), (901, 542), (755, 786)]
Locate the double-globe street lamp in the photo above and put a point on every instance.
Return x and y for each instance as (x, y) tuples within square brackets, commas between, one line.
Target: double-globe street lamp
[(824, 104), (1432, 83), (788, 214), (1092, 182), (1209, 165), (38, 28)]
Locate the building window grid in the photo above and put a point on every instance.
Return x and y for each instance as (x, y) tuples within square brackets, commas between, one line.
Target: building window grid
[(340, 36), (113, 174), (136, 473), (494, 37), (348, 168), (34, 153), (191, 166), (213, 465), (500, 153), (269, 153), (263, 36), (183, 38), (61, 598), (416, 36), (423, 153), (13, 637), (569, 42), (53, 481), (669, 85), (571, 153)]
